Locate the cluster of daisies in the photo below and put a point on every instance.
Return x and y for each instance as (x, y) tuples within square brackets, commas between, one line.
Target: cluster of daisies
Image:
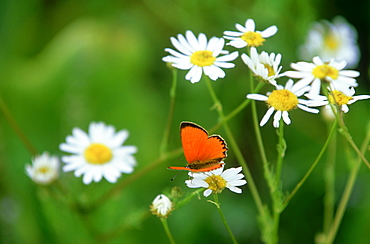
[(324, 75), (94, 155)]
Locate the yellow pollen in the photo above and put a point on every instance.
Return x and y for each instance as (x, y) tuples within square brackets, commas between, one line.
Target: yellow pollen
[(321, 71), (331, 41), (339, 98), (253, 39), (202, 58), (43, 170), (282, 100), (270, 69), (216, 183), (98, 153)]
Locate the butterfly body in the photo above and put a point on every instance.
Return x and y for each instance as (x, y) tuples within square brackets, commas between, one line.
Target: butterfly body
[(202, 152)]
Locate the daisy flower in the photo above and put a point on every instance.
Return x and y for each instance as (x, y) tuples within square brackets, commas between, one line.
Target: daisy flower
[(161, 206), (44, 169), (98, 154), (282, 100), (266, 67), (336, 39), (248, 36), (216, 180), (331, 72), (340, 97), (199, 56)]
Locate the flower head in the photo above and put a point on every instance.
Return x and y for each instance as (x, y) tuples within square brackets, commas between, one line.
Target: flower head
[(336, 39), (331, 72), (98, 154), (161, 206), (340, 97), (217, 180), (44, 169), (282, 100), (248, 36), (266, 67), (198, 56)]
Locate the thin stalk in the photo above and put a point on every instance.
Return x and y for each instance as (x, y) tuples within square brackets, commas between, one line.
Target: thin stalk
[(167, 230), (329, 178), (166, 135), (13, 123), (347, 192), (308, 173), (218, 206)]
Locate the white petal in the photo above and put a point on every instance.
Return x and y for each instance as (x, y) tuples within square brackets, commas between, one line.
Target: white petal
[(267, 116), (269, 31)]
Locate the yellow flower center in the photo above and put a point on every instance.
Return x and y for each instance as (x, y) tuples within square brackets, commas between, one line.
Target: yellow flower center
[(216, 183), (202, 58), (282, 100), (270, 69), (43, 170), (331, 41), (253, 39), (98, 153), (339, 98), (321, 71)]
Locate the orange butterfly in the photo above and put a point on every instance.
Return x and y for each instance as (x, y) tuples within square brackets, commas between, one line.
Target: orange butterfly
[(202, 152)]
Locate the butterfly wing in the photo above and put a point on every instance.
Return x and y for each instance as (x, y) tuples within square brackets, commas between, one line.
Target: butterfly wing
[(198, 146)]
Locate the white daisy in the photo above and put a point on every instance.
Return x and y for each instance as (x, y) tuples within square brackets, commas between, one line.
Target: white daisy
[(264, 66), (336, 39), (198, 56), (248, 36), (98, 154), (44, 169), (216, 180), (282, 100), (161, 206), (331, 72), (340, 97)]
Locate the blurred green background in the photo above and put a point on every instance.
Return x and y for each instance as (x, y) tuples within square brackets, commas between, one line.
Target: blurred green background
[(66, 63)]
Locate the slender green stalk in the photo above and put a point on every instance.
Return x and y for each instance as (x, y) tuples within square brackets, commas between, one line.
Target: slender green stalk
[(166, 135), (12, 122), (343, 128), (347, 191), (281, 148), (181, 203), (237, 152), (329, 178), (308, 173), (218, 206), (167, 230)]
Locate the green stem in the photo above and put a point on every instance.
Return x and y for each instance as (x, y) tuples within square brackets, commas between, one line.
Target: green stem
[(181, 203), (218, 206), (347, 191), (166, 135), (329, 178), (12, 122), (308, 173), (237, 152), (167, 230), (281, 148), (343, 128)]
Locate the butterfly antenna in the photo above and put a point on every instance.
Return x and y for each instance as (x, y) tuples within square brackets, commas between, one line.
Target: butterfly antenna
[(175, 176)]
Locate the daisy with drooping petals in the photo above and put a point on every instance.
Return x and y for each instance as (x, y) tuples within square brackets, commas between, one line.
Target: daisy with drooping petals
[(331, 72), (198, 56), (248, 36), (44, 169), (282, 100), (161, 206), (336, 39), (98, 154), (216, 180), (341, 98), (266, 67)]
